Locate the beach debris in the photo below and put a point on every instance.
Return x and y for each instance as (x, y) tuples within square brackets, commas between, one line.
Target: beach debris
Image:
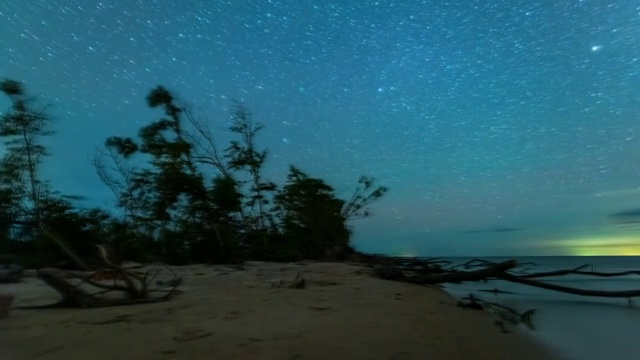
[(470, 304), (10, 274), (5, 303), (191, 334), (297, 283), (497, 291), (81, 290), (504, 313), (228, 269), (170, 283), (135, 290), (113, 320), (434, 272), (10, 271), (238, 267), (323, 283), (276, 283)]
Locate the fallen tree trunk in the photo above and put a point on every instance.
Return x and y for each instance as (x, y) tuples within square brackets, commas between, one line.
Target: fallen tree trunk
[(74, 296), (133, 286), (10, 275), (453, 277), (579, 271), (489, 271), (567, 289)]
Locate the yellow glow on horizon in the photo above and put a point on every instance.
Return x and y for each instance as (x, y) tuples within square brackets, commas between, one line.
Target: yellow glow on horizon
[(603, 245), (613, 251)]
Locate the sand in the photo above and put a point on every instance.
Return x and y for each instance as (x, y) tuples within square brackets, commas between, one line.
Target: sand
[(341, 313)]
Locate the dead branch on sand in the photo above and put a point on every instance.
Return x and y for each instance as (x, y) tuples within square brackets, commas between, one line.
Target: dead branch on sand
[(78, 289), (437, 272), (10, 275), (426, 272)]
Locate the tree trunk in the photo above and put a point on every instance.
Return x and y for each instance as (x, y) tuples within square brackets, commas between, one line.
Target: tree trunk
[(72, 296)]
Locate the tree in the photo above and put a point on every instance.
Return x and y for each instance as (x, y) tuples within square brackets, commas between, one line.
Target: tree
[(8, 209), (364, 194), (196, 219), (22, 127), (171, 195), (310, 215), (118, 178), (159, 190), (243, 155)]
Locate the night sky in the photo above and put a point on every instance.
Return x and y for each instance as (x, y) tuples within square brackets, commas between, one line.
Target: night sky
[(507, 127)]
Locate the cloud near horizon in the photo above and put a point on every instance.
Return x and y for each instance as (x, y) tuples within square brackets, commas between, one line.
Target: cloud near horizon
[(627, 215), (492, 230)]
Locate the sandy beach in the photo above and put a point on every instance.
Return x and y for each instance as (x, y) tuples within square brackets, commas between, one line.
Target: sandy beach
[(341, 313)]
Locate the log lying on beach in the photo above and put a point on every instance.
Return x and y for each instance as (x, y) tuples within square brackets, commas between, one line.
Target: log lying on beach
[(11, 275), (567, 289), (456, 276), (425, 275), (133, 287), (75, 296), (5, 304)]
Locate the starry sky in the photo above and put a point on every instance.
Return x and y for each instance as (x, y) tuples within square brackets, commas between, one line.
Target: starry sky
[(502, 127)]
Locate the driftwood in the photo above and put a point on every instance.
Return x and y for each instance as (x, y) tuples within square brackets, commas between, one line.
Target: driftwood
[(5, 304), (497, 291), (567, 289), (74, 296), (486, 270), (84, 290), (578, 271), (504, 313), (10, 275), (416, 277), (9, 272), (297, 283)]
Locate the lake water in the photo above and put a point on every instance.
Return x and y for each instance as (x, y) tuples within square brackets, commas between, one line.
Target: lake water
[(577, 327)]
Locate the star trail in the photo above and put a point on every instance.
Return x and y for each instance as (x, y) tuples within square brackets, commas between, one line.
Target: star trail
[(480, 116)]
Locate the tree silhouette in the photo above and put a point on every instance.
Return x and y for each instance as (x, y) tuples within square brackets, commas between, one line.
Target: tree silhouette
[(311, 216), (170, 207), (171, 194), (22, 127), (243, 155)]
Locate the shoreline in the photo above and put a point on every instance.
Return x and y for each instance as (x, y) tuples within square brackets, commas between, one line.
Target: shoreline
[(342, 312)]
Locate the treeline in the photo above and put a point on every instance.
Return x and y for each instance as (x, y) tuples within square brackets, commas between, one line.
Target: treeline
[(181, 197)]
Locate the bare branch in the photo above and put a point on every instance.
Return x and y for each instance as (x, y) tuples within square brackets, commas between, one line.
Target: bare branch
[(432, 275), (121, 185), (205, 149), (566, 289), (577, 271), (136, 285)]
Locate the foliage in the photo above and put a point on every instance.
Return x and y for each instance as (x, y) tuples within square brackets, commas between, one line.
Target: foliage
[(187, 203), (310, 215), (365, 194), (242, 155), (21, 127)]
